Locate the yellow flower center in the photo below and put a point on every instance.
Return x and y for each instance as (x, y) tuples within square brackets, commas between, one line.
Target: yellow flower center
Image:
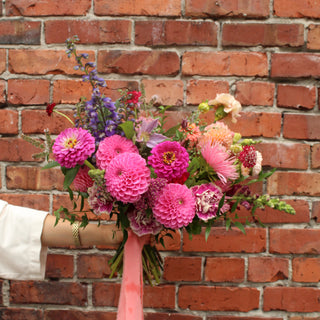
[(70, 143), (168, 157)]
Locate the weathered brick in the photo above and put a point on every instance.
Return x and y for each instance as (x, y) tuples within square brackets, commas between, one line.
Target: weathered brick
[(224, 63), (315, 156), (296, 9), (307, 124), (10, 313), (233, 8), (2, 60), (295, 65), (255, 93), (255, 34), (3, 95), (295, 241), (313, 40), (38, 62), (294, 299), (19, 32), (224, 269), (201, 90), (306, 269), (169, 316), (79, 315), (88, 31), (296, 97), (164, 92), (139, 62), (315, 214), (9, 121), (267, 269), (164, 33), (28, 91), (218, 298), (168, 8), (34, 8), (93, 266), (191, 269), (221, 240), (34, 201), (105, 294), (62, 293), (241, 318), (162, 296), (59, 266)]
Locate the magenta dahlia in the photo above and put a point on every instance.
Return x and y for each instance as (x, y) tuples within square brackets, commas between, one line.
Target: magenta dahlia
[(127, 177), (169, 160), (82, 181), (112, 146), (100, 201), (73, 146), (175, 206), (208, 197)]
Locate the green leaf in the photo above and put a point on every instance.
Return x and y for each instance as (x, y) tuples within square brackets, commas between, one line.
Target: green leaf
[(207, 233), (172, 131), (128, 129), (69, 176), (51, 164), (228, 224), (240, 226)]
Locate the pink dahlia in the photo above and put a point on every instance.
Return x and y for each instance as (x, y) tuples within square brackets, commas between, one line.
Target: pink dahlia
[(208, 197), (100, 201), (110, 147), (73, 146), (218, 158), (169, 160), (248, 156), (175, 206), (127, 177), (82, 181)]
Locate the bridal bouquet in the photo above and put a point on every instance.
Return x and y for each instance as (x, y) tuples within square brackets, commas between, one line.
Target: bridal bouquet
[(120, 157)]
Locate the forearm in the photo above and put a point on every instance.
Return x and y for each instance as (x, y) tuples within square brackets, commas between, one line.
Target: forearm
[(92, 234)]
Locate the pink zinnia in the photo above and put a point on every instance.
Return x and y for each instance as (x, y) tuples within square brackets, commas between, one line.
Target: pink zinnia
[(112, 146), (127, 177), (175, 206), (169, 160), (208, 197), (100, 201), (73, 146), (217, 157), (82, 181)]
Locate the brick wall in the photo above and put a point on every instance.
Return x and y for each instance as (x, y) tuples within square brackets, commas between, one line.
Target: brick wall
[(265, 52)]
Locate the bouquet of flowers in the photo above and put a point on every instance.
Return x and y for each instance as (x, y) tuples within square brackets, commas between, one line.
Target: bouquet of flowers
[(121, 158)]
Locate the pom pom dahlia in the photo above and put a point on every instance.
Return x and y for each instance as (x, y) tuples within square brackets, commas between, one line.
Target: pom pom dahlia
[(112, 146), (73, 146), (169, 160), (175, 206), (82, 181), (127, 177)]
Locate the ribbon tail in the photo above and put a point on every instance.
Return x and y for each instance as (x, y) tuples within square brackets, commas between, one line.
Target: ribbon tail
[(130, 305)]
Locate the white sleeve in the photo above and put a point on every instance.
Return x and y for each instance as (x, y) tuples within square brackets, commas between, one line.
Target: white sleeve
[(21, 255)]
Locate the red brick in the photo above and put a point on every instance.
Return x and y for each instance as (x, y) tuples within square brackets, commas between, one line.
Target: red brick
[(299, 299), (1, 299), (295, 65), (20, 313), (296, 241), (255, 93), (201, 90), (137, 7), (222, 8), (3, 95), (267, 269), (88, 31), (294, 183), (105, 294), (162, 296), (59, 266), (191, 269), (289, 156), (2, 60), (34, 201), (19, 32), (171, 244), (296, 9), (78, 315), (313, 41), (255, 34), (304, 318), (34, 8), (139, 62), (221, 240), (296, 97), (93, 266), (224, 64), (33, 178), (241, 318), (218, 298), (315, 156), (164, 33), (169, 316), (38, 62), (36, 121), (306, 269), (222, 269), (164, 92), (9, 121), (61, 293), (308, 125), (316, 211)]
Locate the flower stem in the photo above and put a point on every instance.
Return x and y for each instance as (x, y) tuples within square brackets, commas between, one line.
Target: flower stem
[(65, 116), (89, 165)]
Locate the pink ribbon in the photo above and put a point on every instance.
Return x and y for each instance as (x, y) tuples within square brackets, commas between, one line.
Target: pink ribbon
[(130, 305)]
